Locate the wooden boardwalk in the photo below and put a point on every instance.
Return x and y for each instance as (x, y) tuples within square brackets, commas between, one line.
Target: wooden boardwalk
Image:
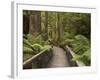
[(59, 58)]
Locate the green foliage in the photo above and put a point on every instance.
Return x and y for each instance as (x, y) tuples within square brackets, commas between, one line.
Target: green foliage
[(85, 57), (80, 44), (27, 50), (39, 47), (81, 47), (26, 42), (47, 47), (30, 38), (27, 47), (49, 42), (87, 54), (82, 38), (37, 39), (77, 23), (35, 45), (68, 35), (66, 39)]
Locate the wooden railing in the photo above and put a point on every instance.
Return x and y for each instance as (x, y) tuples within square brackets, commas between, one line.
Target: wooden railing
[(39, 60), (71, 55)]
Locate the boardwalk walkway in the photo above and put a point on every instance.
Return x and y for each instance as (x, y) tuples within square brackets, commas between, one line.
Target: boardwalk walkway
[(59, 58)]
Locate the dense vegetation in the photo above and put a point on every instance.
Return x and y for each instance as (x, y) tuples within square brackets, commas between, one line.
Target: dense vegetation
[(42, 30)]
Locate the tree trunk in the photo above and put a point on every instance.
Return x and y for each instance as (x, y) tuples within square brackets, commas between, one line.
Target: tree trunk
[(60, 27), (46, 25), (35, 23), (58, 17), (25, 24)]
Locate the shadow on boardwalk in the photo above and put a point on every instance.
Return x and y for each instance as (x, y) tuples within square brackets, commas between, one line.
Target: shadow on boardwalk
[(59, 58)]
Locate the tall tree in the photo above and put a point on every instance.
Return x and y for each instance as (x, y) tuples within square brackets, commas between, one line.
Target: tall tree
[(59, 26), (46, 25), (35, 23), (25, 24)]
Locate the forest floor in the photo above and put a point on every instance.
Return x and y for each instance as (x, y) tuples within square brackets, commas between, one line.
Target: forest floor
[(59, 58)]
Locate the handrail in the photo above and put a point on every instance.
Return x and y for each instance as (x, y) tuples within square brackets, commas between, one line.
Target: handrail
[(79, 63), (34, 57)]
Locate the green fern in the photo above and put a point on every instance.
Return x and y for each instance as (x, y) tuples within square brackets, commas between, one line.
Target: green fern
[(27, 50), (37, 47), (26, 42), (80, 44), (46, 47), (30, 38), (85, 57), (66, 39), (82, 39)]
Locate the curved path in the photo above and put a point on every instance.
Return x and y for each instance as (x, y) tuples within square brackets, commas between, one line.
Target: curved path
[(59, 58)]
